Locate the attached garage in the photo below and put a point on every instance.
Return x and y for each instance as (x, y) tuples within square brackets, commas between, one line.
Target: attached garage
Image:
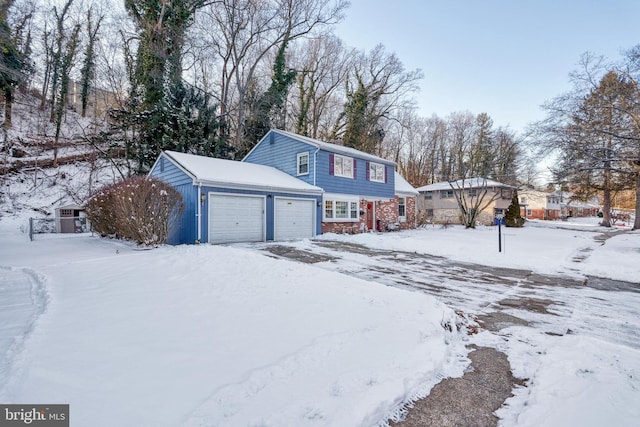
[(294, 218), (227, 201), (236, 218)]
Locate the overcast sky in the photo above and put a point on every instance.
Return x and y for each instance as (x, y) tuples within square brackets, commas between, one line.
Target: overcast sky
[(502, 57)]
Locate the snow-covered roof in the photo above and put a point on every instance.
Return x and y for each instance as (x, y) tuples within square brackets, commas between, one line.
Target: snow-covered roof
[(334, 148), (403, 187), (460, 184), (230, 173)]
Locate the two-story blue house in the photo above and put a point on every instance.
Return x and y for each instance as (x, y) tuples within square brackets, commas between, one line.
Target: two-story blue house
[(359, 188)]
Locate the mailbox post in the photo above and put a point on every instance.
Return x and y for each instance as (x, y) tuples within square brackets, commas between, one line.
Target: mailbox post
[(499, 221)]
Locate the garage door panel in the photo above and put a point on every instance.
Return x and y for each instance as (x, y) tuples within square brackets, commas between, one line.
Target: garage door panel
[(294, 218), (236, 218)]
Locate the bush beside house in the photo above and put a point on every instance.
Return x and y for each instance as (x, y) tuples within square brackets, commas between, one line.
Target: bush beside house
[(137, 209)]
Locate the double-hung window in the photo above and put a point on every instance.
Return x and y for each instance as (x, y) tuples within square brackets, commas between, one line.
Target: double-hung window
[(376, 172), (303, 163), (446, 194), (342, 166), (341, 209)]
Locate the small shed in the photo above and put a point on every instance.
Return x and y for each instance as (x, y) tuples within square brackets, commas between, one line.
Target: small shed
[(70, 218), (227, 201)]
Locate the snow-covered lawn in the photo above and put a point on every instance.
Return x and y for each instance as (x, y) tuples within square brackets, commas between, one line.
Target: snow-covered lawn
[(546, 247), (209, 335), (227, 336)]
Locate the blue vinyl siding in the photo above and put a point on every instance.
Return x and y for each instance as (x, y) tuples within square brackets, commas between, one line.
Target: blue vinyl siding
[(185, 230), (281, 152), (359, 185)]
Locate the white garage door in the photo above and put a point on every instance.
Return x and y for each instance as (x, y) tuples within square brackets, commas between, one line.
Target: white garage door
[(294, 218), (236, 218)]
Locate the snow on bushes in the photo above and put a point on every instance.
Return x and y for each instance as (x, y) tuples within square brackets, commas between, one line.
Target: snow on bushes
[(137, 209)]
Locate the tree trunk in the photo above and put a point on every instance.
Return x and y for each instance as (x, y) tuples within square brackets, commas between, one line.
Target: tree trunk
[(8, 104)]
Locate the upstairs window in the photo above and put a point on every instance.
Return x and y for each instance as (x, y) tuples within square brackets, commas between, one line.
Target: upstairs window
[(446, 194), (376, 172), (428, 195), (342, 166), (303, 164)]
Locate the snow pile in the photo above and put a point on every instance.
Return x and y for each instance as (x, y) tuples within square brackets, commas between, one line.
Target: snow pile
[(207, 335)]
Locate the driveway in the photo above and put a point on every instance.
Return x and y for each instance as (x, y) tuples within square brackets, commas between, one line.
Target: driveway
[(493, 299)]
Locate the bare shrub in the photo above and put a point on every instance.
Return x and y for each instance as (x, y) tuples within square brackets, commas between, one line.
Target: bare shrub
[(137, 209)]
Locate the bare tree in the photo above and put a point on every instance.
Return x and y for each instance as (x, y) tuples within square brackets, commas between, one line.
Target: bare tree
[(473, 196), (322, 64), (238, 35), (593, 128)]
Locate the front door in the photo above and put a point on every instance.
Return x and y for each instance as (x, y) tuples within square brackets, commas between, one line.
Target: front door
[(370, 215)]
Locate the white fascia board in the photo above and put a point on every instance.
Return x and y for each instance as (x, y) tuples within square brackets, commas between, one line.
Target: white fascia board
[(267, 188)]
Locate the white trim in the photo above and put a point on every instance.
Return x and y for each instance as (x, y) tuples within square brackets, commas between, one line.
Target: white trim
[(265, 188), (275, 213), (199, 214), (255, 196), (298, 157), (402, 218), (341, 198)]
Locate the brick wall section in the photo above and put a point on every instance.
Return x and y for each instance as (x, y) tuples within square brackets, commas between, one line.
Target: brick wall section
[(386, 212), (410, 211), (341, 227)]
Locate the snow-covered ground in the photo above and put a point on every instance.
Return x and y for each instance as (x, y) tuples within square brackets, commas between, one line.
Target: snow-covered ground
[(228, 336), (581, 359), (209, 335)]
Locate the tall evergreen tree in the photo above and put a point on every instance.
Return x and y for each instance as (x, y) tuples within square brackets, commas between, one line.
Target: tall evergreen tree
[(159, 107)]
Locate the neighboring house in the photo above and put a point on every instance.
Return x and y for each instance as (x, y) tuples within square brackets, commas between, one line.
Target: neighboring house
[(228, 201), (359, 188), (437, 202), (533, 204), (562, 204)]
